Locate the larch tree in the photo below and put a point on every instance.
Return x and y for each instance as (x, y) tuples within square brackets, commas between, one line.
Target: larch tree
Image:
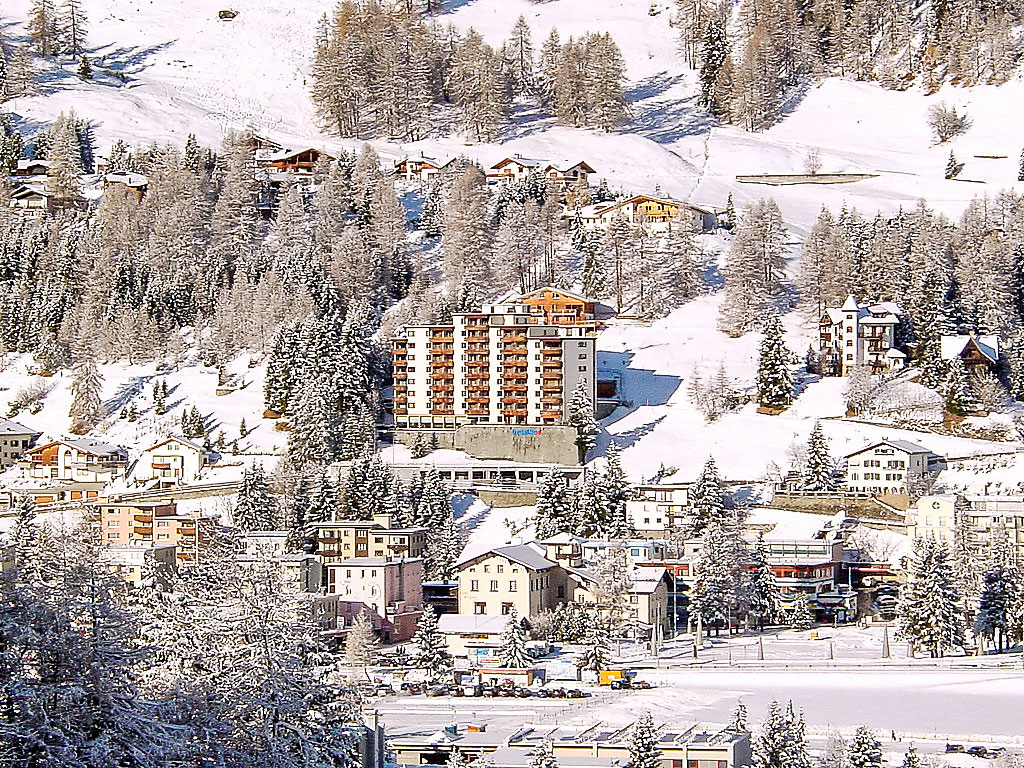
[(754, 270), (361, 643), (86, 394)]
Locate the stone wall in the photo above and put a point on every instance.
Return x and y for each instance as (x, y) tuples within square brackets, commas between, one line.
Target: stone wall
[(555, 445)]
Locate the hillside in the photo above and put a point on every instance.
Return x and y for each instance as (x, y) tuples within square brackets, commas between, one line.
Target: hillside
[(188, 72)]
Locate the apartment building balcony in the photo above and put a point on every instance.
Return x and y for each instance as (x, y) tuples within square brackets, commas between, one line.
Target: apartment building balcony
[(478, 400), (513, 337), (551, 400), (477, 339), (515, 388), (551, 350), (513, 399), (551, 363), (551, 376), (399, 388), (477, 363), (442, 375), (478, 387), (442, 411), (551, 413), (478, 412), (514, 363), (514, 350), (551, 387)]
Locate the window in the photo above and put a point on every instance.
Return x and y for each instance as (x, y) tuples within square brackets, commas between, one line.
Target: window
[(494, 585), (561, 591), (474, 586), (583, 367), (634, 599), (501, 569), (480, 609), (506, 609), (513, 586)]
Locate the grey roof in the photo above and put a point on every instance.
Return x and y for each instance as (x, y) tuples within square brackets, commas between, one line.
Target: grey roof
[(87, 445), (8, 427), (523, 554), (903, 445)]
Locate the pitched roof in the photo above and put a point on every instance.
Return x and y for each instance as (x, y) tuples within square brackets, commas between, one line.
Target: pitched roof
[(130, 179), (526, 162), (563, 291), (8, 427), (523, 554), (176, 439), (903, 445), (88, 445), (850, 305), (953, 346)]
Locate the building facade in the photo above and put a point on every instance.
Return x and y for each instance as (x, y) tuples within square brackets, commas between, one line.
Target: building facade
[(513, 577), (171, 462), (143, 523), (389, 591), (889, 467), (377, 538), (500, 366), (15, 439), (859, 334), (82, 460)]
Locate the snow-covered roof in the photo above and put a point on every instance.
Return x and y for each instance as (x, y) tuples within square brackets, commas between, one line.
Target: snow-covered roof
[(88, 445), (893, 352), (646, 579), (902, 445), (24, 165), (8, 427), (563, 291), (368, 562), (130, 179), (850, 305), (526, 162), (525, 555), (25, 190), (457, 623), (953, 346), (184, 441)]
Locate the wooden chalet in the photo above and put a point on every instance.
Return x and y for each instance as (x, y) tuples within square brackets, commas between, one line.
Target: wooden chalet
[(558, 306), (418, 168), (978, 353), (517, 168), (569, 176), (133, 185), (257, 143), (32, 168), (657, 213), (302, 161)]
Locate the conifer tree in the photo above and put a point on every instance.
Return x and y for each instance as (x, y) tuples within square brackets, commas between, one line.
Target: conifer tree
[(706, 498), (44, 28), (596, 653), (800, 616), (543, 755), (953, 168), (431, 649), (86, 401), (999, 606), (581, 417), (512, 653), (765, 598), (84, 71), (739, 719), (754, 270), (644, 751), (959, 394), (774, 380), (781, 742), (255, 508), (819, 474), (911, 759), (864, 749), (554, 505), (711, 596), (73, 30), (361, 643), (929, 607)]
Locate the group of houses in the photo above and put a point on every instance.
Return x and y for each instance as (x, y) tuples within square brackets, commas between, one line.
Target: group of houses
[(33, 190), (858, 334)]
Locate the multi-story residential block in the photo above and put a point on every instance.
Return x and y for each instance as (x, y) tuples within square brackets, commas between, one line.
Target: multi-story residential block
[(645, 605), (156, 523), (889, 467), (857, 334), (516, 576), (389, 591), (377, 538), (658, 509), (15, 439), (986, 518), (134, 563), (499, 366), (81, 459)]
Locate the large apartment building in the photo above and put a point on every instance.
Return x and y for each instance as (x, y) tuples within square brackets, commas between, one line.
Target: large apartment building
[(503, 365)]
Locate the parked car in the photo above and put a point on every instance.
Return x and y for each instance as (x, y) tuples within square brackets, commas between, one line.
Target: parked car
[(954, 748), (977, 751)]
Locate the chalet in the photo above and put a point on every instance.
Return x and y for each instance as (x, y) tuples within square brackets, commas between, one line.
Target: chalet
[(31, 199), (657, 214), (129, 184), (418, 168), (257, 143), (37, 168), (301, 162), (888, 467), (81, 459), (557, 306), (569, 175), (171, 462), (859, 334), (513, 169), (977, 352), (15, 439)]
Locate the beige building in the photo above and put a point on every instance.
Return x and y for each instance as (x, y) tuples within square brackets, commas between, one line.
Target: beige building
[(379, 538), (135, 562), (15, 439), (156, 523), (497, 366), (644, 606), (986, 517), (516, 576), (657, 509)]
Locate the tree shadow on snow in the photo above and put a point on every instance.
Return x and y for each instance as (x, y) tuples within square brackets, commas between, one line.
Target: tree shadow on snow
[(125, 393), (668, 119), (130, 59)]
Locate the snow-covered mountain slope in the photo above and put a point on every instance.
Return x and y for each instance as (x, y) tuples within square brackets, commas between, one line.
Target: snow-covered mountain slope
[(187, 71)]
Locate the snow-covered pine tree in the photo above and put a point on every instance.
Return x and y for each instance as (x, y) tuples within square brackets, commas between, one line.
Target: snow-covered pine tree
[(581, 417), (554, 505), (86, 393), (596, 653), (929, 608), (781, 742), (589, 508), (361, 643), (801, 617), (765, 598), (999, 607), (706, 498), (739, 723), (644, 751), (255, 508), (774, 379), (755, 269), (512, 653), (445, 543), (431, 649), (543, 755), (712, 593), (959, 394), (864, 749), (911, 759), (819, 474)]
